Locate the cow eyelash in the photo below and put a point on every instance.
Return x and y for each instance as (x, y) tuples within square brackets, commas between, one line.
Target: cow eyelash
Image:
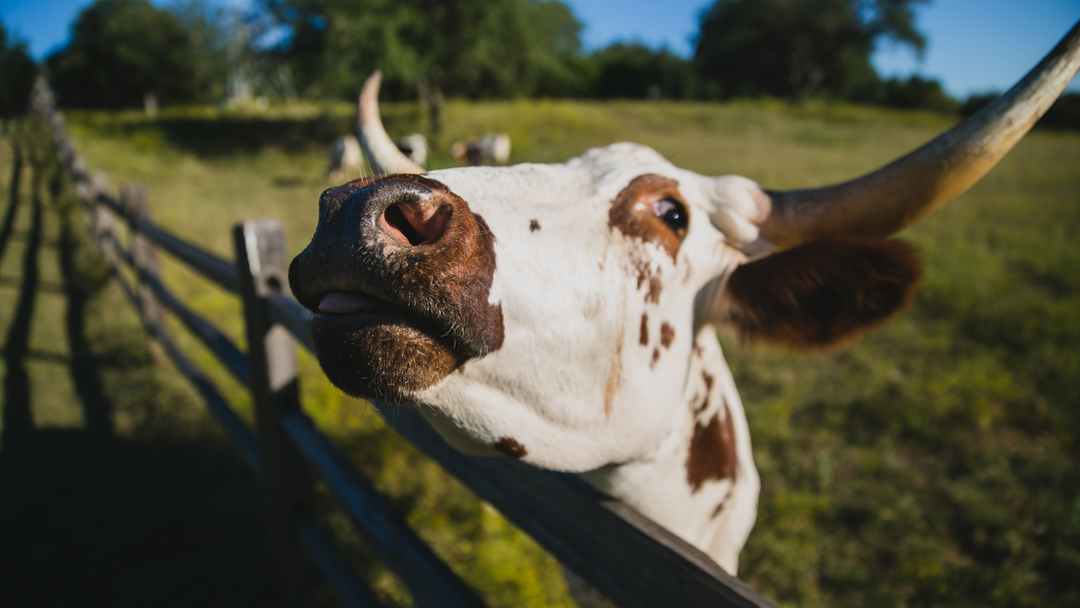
[(673, 213)]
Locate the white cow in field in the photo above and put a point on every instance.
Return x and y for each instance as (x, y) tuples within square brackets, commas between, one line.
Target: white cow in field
[(566, 314), (487, 149), (415, 147), (345, 159)]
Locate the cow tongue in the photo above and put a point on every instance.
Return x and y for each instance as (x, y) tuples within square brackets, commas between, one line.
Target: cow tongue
[(347, 302)]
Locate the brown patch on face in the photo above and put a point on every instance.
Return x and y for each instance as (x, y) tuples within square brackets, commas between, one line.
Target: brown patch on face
[(615, 379), (712, 452), (644, 339), (667, 334), (823, 293), (655, 287), (634, 212), (433, 314), (534, 225), (510, 447), (643, 272), (655, 358)]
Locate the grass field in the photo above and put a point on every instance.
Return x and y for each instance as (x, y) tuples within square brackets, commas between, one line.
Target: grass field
[(933, 463)]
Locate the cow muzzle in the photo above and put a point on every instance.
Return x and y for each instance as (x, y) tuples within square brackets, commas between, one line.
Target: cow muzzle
[(398, 275)]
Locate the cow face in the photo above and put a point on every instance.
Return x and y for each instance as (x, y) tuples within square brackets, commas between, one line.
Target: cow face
[(549, 311)]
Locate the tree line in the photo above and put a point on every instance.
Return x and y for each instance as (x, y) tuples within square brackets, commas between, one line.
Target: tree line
[(129, 53)]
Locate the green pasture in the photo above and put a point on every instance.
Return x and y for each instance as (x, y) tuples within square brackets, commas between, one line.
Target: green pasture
[(935, 462)]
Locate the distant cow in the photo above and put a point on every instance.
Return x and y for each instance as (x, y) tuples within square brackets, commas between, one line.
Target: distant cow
[(414, 146), (488, 149), (345, 161)]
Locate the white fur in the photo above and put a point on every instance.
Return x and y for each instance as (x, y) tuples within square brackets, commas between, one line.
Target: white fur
[(572, 310)]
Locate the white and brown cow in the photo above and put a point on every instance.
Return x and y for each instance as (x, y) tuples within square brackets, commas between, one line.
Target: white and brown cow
[(566, 314)]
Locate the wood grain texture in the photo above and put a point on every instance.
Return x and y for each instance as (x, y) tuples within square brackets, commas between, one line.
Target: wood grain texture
[(287, 483)]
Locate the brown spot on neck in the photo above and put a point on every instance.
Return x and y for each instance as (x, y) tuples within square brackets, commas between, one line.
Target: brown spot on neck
[(644, 339), (712, 451), (667, 334), (534, 225), (655, 358), (511, 447)]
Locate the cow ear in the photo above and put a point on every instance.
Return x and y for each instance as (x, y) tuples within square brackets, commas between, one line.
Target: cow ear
[(822, 293)]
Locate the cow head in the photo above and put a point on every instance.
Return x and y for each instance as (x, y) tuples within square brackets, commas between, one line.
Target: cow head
[(550, 311)]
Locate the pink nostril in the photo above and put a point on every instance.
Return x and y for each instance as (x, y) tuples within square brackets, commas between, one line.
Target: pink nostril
[(414, 224)]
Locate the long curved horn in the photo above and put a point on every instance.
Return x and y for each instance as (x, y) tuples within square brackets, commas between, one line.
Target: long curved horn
[(912, 187), (380, 151)]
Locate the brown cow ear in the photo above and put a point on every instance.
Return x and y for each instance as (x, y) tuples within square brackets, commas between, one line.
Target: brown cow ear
[(822, 293)]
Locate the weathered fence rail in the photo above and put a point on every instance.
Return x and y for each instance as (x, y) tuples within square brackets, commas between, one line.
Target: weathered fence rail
[(625, 556)]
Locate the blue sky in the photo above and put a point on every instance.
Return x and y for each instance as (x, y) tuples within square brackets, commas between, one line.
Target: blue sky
[(974, 45)]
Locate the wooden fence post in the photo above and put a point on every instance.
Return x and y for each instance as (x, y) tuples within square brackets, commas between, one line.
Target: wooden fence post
[(136, 206), (262, 261), (101, 222)]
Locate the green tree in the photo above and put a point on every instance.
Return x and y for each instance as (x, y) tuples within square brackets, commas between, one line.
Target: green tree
[(208, 29), (635, 71), (437, 48), (918, 92), (17, 73), (799, 48), (120, 52)]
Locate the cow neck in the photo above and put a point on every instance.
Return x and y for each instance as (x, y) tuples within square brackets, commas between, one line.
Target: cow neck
[(700, 482)]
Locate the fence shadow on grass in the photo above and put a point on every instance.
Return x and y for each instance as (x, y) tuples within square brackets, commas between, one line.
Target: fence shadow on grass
[(89, 518), (85, 372), (18, 420), (13, 201)]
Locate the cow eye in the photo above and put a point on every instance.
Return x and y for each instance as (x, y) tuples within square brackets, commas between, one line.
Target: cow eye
[(673, 213)]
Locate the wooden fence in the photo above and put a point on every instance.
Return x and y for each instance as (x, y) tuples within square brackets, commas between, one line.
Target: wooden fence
[(625, 556)]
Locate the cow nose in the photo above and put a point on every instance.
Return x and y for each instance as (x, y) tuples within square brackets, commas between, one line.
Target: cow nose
[(414, 221), (406, 241)]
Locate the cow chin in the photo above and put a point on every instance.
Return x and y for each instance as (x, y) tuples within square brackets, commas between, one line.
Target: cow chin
[(387, 357)]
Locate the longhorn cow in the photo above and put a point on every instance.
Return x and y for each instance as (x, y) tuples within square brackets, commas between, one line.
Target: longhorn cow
[(344, 158), (566, 314), (487, 149)]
